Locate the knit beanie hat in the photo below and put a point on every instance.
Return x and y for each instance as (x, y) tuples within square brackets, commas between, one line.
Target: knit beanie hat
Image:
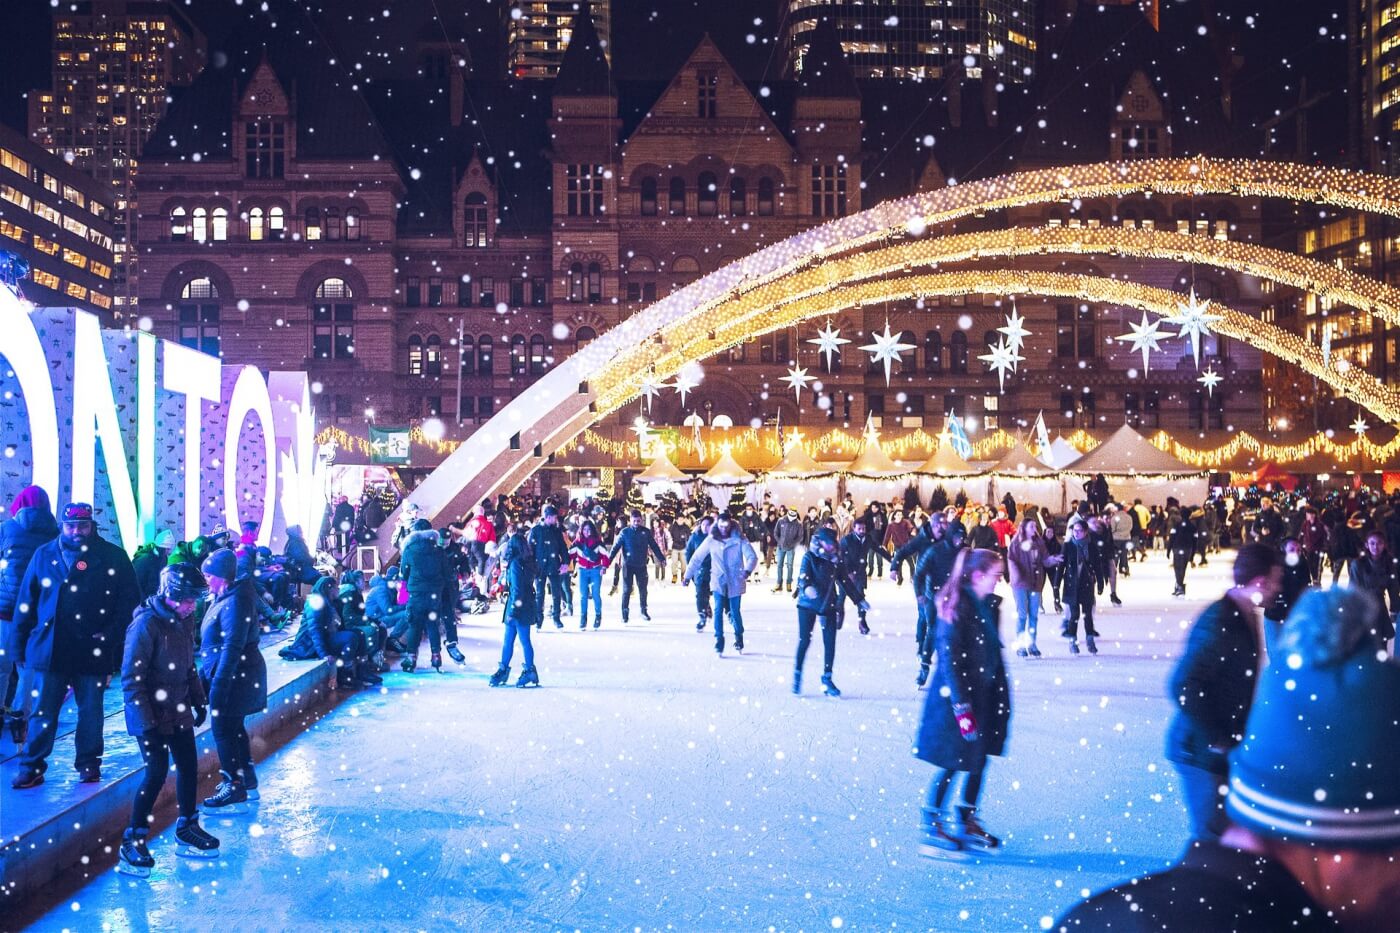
[(1320, 761), (223, 564)]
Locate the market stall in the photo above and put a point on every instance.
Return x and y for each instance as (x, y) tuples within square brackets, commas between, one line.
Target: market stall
[(1028, 480), (719, 480), (662, 476), (797, 481), (946, 469), (1135, 469), (873, 477)]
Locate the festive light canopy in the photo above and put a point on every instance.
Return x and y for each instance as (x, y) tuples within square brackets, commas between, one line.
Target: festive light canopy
[(1126, 452), (1062, 453), (945, 461), (727, 472), (798, 464), (1019, 461), (661, 470), (873, 462)]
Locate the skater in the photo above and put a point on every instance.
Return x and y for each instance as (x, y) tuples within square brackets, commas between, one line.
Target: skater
[(1181, 544), (1081, 579), (1028, 560), (787, 537), (702, 578), (823, 584), (481, 537), (234, 675), (587, 551), (1213, 686), (164, 704), (733, 559), (932, 552), (635, 542), (520, 615), (856, 548), (551, 564), (71, 614), (967, 711), (1377, 571), (425, 572), (31, 524)]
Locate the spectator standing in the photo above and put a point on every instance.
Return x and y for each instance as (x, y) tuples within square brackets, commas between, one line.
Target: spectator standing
[(31, 524)]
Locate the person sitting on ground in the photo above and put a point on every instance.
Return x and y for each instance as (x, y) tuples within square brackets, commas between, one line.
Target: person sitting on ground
[(323, 636)]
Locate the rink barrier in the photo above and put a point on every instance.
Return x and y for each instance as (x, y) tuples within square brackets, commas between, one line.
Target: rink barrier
[(47, 830)]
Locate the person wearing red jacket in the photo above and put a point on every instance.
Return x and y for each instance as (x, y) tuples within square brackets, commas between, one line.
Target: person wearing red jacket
[(587, 551), (480, 532)]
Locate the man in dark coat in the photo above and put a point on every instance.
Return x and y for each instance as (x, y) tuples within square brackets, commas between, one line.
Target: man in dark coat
[(298, 559), (150, 559), (342, 523), (234, 674), (855, 551), (323, 634), (424, 570), (1096, 493), (635, 542), (702, 577), (1268, 525), (1080, 582), (31, 524), (1213, 686), (74, 605), (551, 553), (1181, 543)]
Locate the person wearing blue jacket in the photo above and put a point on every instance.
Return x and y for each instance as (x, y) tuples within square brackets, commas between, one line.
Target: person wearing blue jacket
[(635, 542), (31, 524), (702, 575), (518, 560)]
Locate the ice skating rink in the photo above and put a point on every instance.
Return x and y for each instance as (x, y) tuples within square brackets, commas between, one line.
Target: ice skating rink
[(650, 785)]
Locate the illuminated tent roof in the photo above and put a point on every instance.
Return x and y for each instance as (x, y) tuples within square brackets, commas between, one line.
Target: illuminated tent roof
[(1019, 461), (1062, 453), (945, 462), (874, 463), (727, 472), (798, 464), (1126, 452), (661, 470)]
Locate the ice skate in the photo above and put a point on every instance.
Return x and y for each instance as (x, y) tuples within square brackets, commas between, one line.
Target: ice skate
[(1113, 598), (973, 834), (134, 858), (229, 797), (1093, 648), (700, 626), (501, 677), (864, 627), (1022, 652), (797, 681), (937, 841), (408, 664), (1034, 651), (719, 647), (739, 645), (366, 675), (598, 622), (436, 661), (830, 688), (455, 653), (194, 841), (923, 675), (529, 677), (645, 616)]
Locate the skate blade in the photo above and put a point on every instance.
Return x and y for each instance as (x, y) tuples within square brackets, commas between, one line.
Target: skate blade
[(135, 871), (232, 809), (194, 852), (973, 848), (253, 794), (932, 851)]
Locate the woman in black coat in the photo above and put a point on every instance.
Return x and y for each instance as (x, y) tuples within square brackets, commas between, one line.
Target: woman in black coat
[(823, 585), (967, 711), (324, 635), (1377, 571), (518, 560)]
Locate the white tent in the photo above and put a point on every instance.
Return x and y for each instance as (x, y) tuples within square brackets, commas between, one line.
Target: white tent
[(1061, 454), (873, 477), (720, 479), (1028, 480), (946, 468), (662, 476), (797, 481), (1135, 469)]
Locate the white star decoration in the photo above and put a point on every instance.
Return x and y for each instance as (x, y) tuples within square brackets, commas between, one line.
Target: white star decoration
[(1360, 426), (1210, 379), (1015, 332), (1191, 315), (797, 380), (828, 341), (685, 382), (886, 349), (1145, 338), (1001, 360), (650, 390)]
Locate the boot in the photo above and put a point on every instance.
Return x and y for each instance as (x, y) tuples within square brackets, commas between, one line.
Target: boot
[(1073, 647), (529, 677), (937, 839), (397, 647), (501, 676), (797, 680), (344, 679), (864, 628), (18, 725), (1035, 652), (973, 834), (366, 675), (923, 675), (830, 690), (598, 622), (455, 653), (1113, 598)]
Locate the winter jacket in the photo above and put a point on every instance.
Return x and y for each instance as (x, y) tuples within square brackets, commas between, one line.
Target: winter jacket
[(971, 672), (320, 621), (160, 685), (589, 553), (74, 607), (679, 533), (1297, 577), (148, 562), (481, 530), (1213, 686), (19, 538), (787, 533), (1182, 536), (1120, 527), (1005, 529), (1081, 573), (752, 526), (1380, 576), (733, 559), (551, 551), (1025, 562), (934, 566), (1268, 528), (823, 585), (897, 535), (518, 558), (702, 575), (233, 669), (343, 517), (982, 536), (424, 565), (1312, 536), (635, 544), (299, 562), (381, 601), (854, 551)]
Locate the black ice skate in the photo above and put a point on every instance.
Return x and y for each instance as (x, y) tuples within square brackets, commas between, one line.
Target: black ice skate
[(229, 797), (938, 842), (529, 677), (409, 664), (194, 841), (1074, 647), (437, 661), (250, 782), (134, 858), (455, 653), (1093, 648), (923, 675), (973, 834), (501, 677), (797, 681), (830, 688)]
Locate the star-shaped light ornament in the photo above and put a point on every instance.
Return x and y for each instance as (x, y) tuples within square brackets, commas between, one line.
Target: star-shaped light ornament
[(650, 391), (686, 381), (1001, 360), (797, 380), (1360, 426), (794, 437), (1194, 319), (1015, 331), (828, 341), (886, 349), (1210, 379), (1145, 338)]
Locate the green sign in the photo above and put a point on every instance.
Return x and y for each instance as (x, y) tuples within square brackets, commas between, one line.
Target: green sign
[(388, 445)]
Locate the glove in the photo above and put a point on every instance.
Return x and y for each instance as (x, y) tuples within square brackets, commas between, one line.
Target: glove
[(967, 723), (201, 713)]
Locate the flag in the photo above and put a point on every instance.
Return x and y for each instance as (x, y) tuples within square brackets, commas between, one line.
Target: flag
[(388, 445), (958, 437), (781, 445), (1042, 436)]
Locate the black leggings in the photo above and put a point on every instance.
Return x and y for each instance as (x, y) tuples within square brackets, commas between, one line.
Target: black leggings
[(943, 781), (806, 619), (157, 755), (231, 740)]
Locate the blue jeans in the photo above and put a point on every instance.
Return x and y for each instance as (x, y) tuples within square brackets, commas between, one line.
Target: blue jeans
[(786, 556), (1027, 613), (728, 604), (590, 586), (518, 629), (52, 688)]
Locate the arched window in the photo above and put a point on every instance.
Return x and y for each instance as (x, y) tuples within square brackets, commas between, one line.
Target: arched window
[(649, 196), (220, 224), (485, 345), (708, 203), (312, 229), (333, 321), (200, 227), (276, 223), (467, 355), (538, 355), (738, 197), (595, 283), (179, 224), (352, 224), (517, 355), (432, 356), (415, 355), (677, 201), (957, 353), (199, 316), (583, 337), (908, 359), (333, 227), (256, 229), (474, 221), (576, 281), (765, 197), (933, 352)]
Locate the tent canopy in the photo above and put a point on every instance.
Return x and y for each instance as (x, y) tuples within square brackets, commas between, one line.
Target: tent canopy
[(727, 472), (1019, 461), (661, 470), (874, 463), (1128, 453), (945, 462), (1061, 454), (797, 463)]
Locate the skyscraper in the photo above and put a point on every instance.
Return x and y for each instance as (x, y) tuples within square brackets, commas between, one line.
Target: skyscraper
[(114, 62), (538, 31), (1376, 72), (917, 40)]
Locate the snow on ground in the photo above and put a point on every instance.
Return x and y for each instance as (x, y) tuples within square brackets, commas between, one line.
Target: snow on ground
[(650, 785)]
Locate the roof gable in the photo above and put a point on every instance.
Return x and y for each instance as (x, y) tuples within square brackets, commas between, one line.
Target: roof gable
[(737, 107)]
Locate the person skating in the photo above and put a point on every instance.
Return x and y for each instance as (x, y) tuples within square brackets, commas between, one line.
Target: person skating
[(635, 543), (31, 524), (1213, 685), (967, 711), (551, 564), (732, 560), (824, 583), (703, 608), (72, 611), (234, 675), (1102, 548), (787, 538), (1377, 571), (1297, 578), (587, 551), (854, 556), (425, 572), (520, 612), (1181, 544), (164, 703), (1028, 560), (1081, 582)]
